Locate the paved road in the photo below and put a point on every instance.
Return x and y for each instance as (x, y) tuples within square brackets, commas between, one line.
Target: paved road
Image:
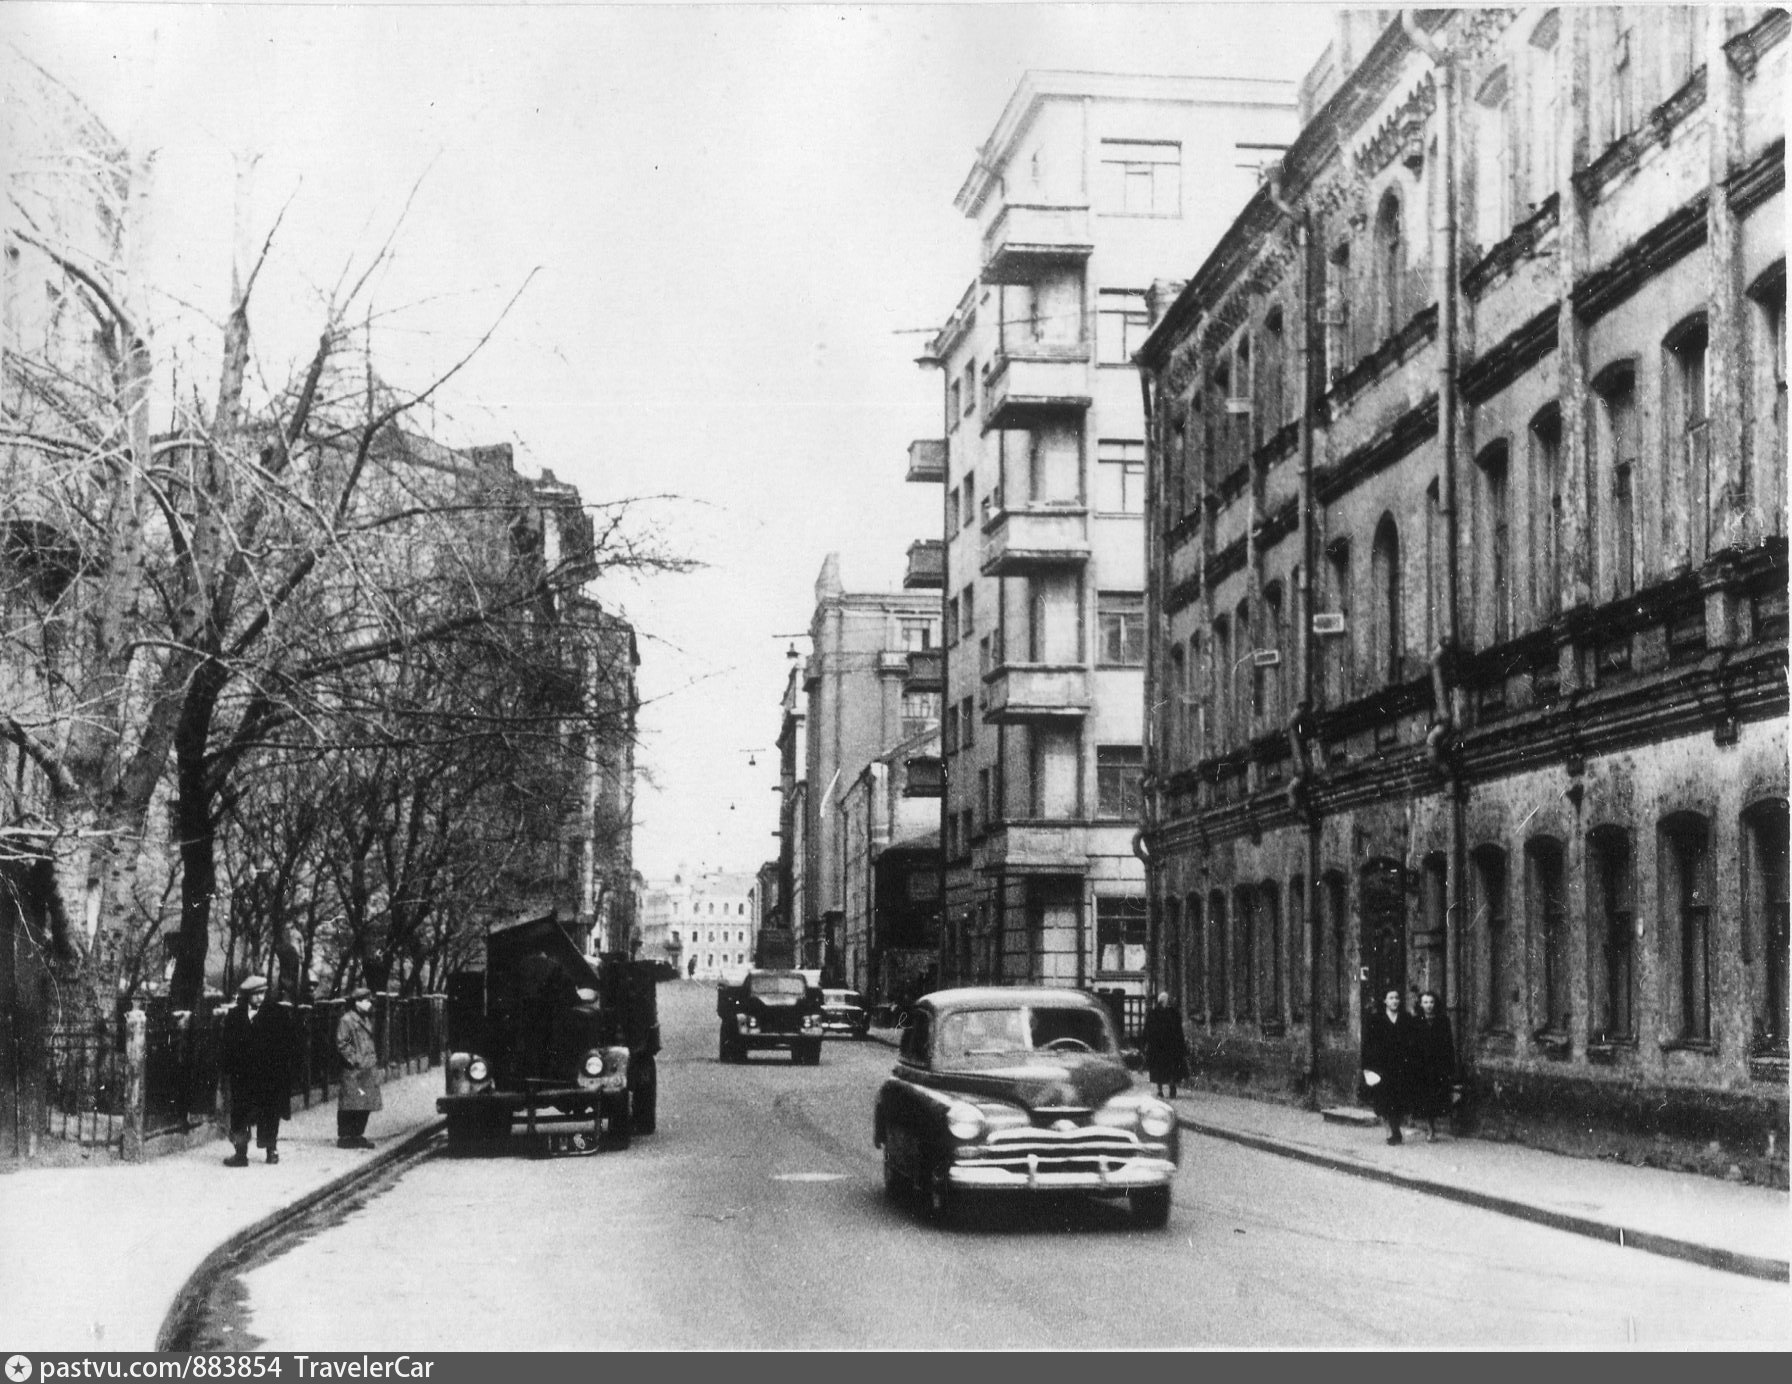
[(755, 1219)]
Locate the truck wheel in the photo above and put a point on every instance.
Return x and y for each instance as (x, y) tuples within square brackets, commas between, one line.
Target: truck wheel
[(809, 1055), (463, 1130), (615, 1120), (1150, 1207), (646, 1099)]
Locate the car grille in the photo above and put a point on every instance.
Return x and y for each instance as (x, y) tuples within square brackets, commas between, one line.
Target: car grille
[(1074, 1150)]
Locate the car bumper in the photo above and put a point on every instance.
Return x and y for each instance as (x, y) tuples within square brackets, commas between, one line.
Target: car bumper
[(848, 1028), (581, 1100), (778, 1040), (1130, 1175)]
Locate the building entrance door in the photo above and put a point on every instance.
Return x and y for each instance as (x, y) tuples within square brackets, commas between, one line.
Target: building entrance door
[(1382, 910)]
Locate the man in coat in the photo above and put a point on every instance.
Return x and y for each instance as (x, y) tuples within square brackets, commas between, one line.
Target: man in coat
[(1166, 1046), (1387, 1061), (258, 1045), (359, 1095)]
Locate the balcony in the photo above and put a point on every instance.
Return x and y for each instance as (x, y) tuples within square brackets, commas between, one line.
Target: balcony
[(1038, 848), (926, 671), (927, 459), (1027, 240), (1037, 692), (1016, 541), (926, 565), (1036, 383)]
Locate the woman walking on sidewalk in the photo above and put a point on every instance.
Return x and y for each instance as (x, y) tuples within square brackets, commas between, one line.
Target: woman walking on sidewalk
[(257, 1058), (1433, 1062), (1387, 1062), (1166, 1046), (360, 1093)]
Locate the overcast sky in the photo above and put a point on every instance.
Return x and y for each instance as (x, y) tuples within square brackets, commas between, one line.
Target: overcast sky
[(739, 220)]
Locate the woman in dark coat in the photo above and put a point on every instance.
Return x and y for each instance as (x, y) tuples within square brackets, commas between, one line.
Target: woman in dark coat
[(359, 1095), (258, 1045), (1387, 1062), (1433, 1062), (1166, 1046)]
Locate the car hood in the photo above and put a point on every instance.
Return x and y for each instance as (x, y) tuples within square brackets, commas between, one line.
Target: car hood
[(1034, 1080)]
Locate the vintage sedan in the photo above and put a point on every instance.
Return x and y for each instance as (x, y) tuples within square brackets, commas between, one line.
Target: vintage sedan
[(1002, 1090), (844, 1013)]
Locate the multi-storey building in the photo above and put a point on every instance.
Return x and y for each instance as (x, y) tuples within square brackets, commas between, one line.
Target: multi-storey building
[(858, 703), (890, 852), (1089, 187), (705, 924), (1468, 579)]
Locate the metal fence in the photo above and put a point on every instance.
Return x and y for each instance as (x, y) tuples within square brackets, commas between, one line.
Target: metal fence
[(101, 1090)]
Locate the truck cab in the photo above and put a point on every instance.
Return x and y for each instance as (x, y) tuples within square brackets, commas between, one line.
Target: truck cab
[(541, 1034), (770, 1009)]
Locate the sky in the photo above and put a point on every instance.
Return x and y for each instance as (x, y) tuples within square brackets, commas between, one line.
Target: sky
[(727, 230)]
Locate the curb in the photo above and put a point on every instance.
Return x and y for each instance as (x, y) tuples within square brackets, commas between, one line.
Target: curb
[(1726, 1261), (199, 1282)]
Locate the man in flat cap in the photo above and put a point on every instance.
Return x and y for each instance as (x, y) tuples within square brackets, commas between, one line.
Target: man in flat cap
[(360, 1093), (258, 1046)]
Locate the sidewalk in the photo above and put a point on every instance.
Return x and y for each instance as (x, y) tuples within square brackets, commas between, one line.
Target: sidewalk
[(93, 1258), (1739, 1229)]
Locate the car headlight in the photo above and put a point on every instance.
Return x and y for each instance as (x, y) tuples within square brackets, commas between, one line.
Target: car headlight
[(811, 1020), (477, 1070), (1156, 1119), (964, 1121), (748, 1023), (594, 1064)]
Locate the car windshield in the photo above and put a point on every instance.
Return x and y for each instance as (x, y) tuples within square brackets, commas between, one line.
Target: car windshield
[(784, 987), (841, 996), (972, 1034)]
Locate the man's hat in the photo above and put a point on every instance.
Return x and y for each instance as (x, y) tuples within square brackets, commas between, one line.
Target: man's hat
[(252, 983), (360, 992)]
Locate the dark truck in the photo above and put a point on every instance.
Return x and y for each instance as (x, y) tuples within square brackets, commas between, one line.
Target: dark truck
[(540, 1033), (771, 1009)]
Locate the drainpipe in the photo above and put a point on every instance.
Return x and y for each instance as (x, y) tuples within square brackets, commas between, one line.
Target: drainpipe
[(1299, 723), (1146, 836), (1441, 741)]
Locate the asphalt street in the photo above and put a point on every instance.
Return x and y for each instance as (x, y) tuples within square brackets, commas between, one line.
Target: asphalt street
[(755, 1219)]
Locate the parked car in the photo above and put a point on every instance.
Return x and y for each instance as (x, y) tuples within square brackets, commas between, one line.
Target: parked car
[(845, 1012), (770, 1009), (1020, 1091)]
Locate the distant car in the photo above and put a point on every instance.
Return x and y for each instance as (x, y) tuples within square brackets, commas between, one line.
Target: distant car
[(1009, 1090), (770, 1009), (845, 1012)]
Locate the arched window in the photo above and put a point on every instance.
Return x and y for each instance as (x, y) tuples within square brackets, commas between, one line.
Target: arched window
[(1219, 970), (1619, 464), (1269, 678), (1196, 956), (1493, 913), (1391, 304), (1337, 947), (1764, 925), (1175, 713), (1337, 559), (1547, 915), (1299, 936), (1194, 712), (1270, 947), (1218, 693), (1272, 405), (1611, 935), (1384, 564), (1244, 957), (1547, 479), (1496, 526), (1685, 863), (1688, 465), (1245, 708), (1493, 162)]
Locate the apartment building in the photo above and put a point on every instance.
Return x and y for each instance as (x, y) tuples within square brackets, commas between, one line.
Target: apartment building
[(890, 852), (705, 924), (1467, 581), (857, 703), (1089, 188)]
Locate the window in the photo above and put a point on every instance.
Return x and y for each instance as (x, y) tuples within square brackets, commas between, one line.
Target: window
[(1690, 431), (917, 635), (1546, 512), (1120, 932), (1541, 81), (1269, 915), (1337, 945), (1195, 954), (1175, 710), (1385, 583), (1268, 677), (1392, 307), (949, 732), (1119, 476), (1121, 616), (1272, 407), (1299, 979), (1337, 656), (1765, 934), (920, 712), (1623, 97), (1219, 973), (967, 724), (1685, 858), (954, 403), (1140, 178), (1218, 695), (1620, 445), (1244, 956), (1341, 351), (1122, 323), (1493, 163), (1119, 781), (1612, 932), (1548, 910), (1243, 708), (951, 511), (970, 387), (1496, 536), (968, 509), (1492, 907), (986, 805), (967, 612)]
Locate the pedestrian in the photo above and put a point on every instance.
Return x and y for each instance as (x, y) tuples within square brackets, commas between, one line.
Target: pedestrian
[(258, 1043), (1166, 1046), (1387, 1059), (1433, 1062), (360, 1093)]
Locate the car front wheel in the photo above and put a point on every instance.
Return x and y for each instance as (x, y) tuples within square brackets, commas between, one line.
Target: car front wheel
[(896, 1187), (1150, 1207)]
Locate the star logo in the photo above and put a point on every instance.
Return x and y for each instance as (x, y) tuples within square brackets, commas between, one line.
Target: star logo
[(18, 1369)]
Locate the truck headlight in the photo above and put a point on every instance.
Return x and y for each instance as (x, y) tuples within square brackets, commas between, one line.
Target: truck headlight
[(964, 1121), (1156, 1119), (594, 1064), (748, 1023), (811, 1021), (477, 1070)]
